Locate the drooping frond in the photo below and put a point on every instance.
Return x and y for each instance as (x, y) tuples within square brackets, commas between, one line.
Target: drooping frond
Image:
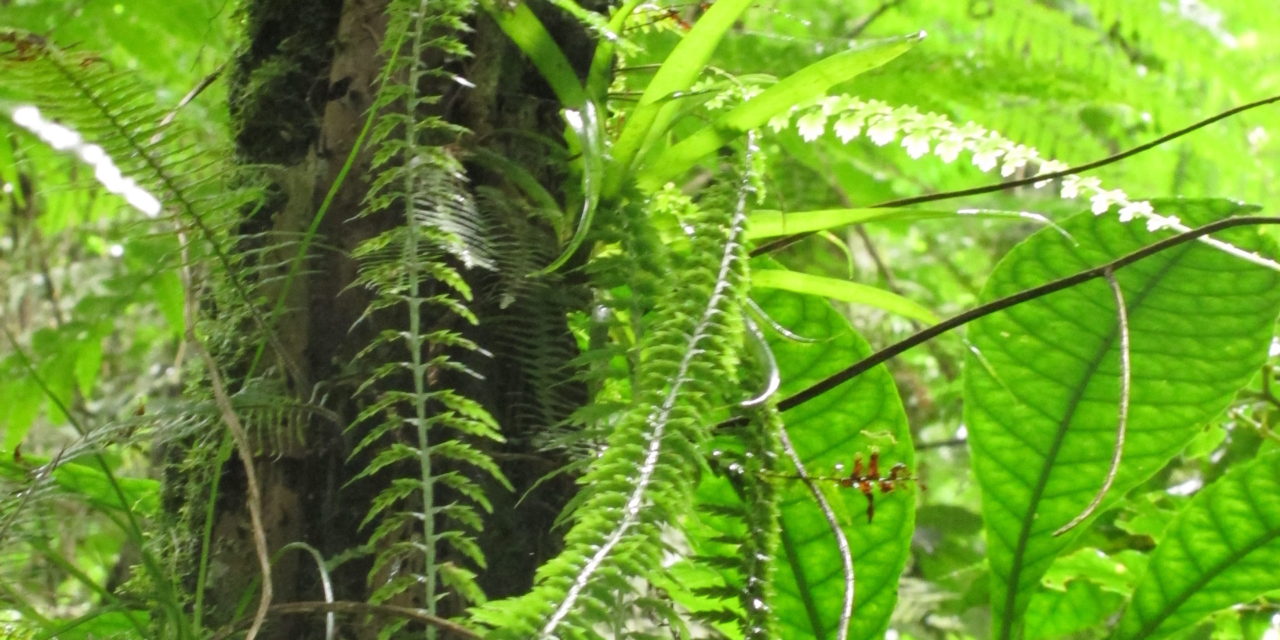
[(644, 477), (81, 103)]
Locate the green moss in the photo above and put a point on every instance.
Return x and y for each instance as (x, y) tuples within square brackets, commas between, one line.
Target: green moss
[(281, 72)]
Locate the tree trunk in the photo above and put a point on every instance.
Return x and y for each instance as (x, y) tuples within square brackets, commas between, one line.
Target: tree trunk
[(300, 90)]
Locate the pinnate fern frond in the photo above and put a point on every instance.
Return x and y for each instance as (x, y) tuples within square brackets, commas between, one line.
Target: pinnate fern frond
[(111, 120), (412, 424), (644, 477)]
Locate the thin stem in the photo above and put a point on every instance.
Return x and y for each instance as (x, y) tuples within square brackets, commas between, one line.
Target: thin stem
[(414, 337), (238, 435), (833, 523), (959, 320), (1122, 319)]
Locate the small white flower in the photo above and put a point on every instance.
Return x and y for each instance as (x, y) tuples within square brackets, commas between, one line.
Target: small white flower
[(1016, 157), (1156, 222), (1047, 167), (971, 131), (932, 120), (907, 118), (1104, 198), (883, 131), (780, 121), (949, 148), (832, 105), (875, 107), (916, 143), (812, 125), (1134, 209), (1073, 186), (849, 126), (985, 154)]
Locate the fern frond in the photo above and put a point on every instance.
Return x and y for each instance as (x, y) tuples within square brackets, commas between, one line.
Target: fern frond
[(413, 425), (111, 114), (644, 477)]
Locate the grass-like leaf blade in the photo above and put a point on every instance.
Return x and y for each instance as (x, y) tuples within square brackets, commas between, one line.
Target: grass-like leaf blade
[(768, 223), (681, 67), (843, 290)]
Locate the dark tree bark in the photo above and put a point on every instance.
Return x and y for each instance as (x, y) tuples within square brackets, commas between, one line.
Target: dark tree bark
[(300, 89)]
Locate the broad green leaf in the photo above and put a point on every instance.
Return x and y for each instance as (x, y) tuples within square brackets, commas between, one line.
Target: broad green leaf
[(1221, 550), (101, 623), (801, 87), (1041, 397), (140, 495), (1079, 606), (843, 290), (854, 418), (681, 67)]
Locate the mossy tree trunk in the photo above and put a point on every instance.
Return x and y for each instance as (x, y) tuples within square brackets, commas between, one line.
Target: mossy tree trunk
[(300, 90)]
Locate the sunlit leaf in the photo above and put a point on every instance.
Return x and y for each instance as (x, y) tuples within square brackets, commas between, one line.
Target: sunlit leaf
[(843, 290), (1042, 392), (803, 86), (1222, 549), (860, 416)]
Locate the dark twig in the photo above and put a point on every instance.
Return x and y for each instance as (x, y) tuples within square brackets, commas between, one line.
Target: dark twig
[(872, 17), (939, 444), (989, 308), (783, 243)]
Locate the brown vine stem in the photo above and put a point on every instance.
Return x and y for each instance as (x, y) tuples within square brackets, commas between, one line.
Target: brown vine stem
[(238, 435), (959, 320), (783, 243)]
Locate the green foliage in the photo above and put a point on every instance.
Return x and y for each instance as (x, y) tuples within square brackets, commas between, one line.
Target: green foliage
[(718, 452), (1042, 388), (852, 420), (1220, 550)]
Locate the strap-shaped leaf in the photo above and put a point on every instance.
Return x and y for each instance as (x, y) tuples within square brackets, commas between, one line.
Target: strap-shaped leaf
[(1222, 549), (527, 31), (844, 290), (681, 67), (1041, 398), (801, 87), (767, 223), (857, 416)]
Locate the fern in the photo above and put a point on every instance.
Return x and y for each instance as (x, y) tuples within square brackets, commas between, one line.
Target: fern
[(645, 475), (110, 109), (410, 268)]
